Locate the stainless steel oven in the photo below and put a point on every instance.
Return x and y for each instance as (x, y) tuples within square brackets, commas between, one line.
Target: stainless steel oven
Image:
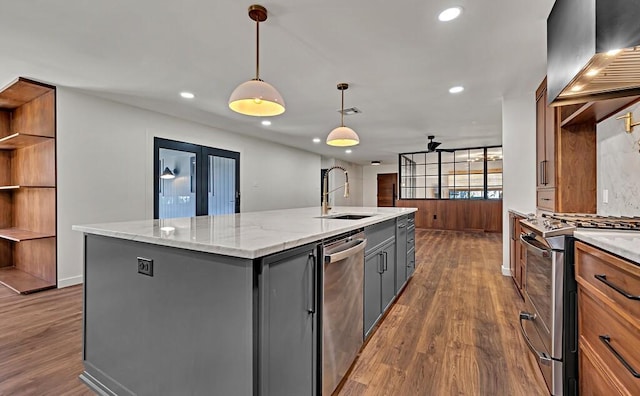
[(548, 324)]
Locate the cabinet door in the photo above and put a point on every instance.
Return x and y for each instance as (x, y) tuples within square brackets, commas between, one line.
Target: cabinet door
[(388, 275), (550, 144), (288, 323), (372, 286), (411, 262), (541, 105), (401, 254)]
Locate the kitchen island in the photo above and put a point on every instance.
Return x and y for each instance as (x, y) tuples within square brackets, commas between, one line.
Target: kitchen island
[(218, 305)]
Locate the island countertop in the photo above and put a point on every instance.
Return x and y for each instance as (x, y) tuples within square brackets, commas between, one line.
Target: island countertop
[(246, 235)]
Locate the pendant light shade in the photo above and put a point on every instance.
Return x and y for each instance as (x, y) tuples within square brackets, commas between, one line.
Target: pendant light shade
[(167, 174), (343, 136), (256, 97)]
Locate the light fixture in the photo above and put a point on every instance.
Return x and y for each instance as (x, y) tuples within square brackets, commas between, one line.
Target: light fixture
[(317, 140), (167, 174), (456, 89), (343, 136), (613, 52), (576, 88), (375, 163), (348, 151), (266, 122), (187, 95), (256, 97), (431, 146), (450, 14), (592, 72)]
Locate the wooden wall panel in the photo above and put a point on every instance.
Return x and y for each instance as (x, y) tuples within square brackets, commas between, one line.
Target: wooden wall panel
[(482, 215), (36, 117), (35, 165), (6, 209), (35, 210), (37, 257), (5, 123), (6, 253), (5, 167), (577, 170)]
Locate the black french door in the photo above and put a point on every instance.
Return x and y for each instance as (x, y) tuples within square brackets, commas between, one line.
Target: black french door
[(193, 180)]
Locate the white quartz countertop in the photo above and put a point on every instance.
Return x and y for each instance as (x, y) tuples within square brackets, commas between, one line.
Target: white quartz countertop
[(521, 213), (625, 244), (246, 235)]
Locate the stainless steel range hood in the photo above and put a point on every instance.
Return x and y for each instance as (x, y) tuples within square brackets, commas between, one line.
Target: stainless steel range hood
[(582, 65)]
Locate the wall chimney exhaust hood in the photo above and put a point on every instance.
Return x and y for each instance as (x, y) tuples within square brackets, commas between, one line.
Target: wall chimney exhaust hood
[(593, 50)]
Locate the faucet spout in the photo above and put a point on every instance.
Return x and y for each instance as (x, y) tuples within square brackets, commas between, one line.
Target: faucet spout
[(325, 187)]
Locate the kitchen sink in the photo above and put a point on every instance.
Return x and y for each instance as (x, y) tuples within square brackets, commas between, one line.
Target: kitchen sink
[(346, 216)]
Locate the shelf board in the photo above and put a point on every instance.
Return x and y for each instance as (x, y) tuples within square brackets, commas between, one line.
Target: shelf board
[(19, 187), (594, 112), (22, 91), (20, 140), (22, 282), (17, 235)]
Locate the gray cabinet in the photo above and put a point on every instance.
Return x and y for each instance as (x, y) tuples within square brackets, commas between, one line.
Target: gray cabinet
[(379, 285), (411, 245), (401, 252), (288, 322)]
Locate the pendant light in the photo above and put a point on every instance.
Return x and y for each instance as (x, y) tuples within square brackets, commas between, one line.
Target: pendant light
[(167, 174), (343, 136), (256, 97)]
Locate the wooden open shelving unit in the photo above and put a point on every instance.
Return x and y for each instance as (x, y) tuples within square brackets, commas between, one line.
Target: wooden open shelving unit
[(28, 186)]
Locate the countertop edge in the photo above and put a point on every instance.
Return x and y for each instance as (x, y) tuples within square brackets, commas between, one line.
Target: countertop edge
[(613, 241)]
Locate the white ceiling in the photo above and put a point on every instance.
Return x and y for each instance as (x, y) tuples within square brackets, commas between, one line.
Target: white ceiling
[(397, 57)]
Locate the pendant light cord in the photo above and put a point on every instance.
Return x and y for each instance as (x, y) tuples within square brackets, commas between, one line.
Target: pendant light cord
[(257, 50), (342, 110)]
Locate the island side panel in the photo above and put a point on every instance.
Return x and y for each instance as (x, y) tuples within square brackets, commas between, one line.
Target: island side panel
[(188, 329)]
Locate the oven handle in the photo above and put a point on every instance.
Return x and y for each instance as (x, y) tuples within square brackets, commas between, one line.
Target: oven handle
[(603, 278), (606, 340), (541, 252), (542, 357), (343, 254)]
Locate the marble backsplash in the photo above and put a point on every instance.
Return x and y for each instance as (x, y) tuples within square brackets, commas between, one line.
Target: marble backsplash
[(618, 156)]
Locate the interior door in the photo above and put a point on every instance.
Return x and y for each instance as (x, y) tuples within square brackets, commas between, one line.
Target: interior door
[(387, 187), (193, 180)]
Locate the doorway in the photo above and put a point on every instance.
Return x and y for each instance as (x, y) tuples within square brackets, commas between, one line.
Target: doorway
[(193, 180), (387, 189)]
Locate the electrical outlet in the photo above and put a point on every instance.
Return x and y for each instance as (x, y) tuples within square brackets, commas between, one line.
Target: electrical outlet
[(435, 217), (605, 196), (145, 266)]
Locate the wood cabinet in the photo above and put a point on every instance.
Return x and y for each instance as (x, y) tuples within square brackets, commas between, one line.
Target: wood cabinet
[(28, 186), (517, 259), (566, 152), (608, 322), (288, 323)]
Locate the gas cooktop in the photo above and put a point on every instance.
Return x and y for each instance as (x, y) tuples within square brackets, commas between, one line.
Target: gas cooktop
[(554, 224)]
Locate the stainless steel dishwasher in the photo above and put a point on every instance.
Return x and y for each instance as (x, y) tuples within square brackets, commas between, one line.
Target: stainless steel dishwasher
[(342, 306)]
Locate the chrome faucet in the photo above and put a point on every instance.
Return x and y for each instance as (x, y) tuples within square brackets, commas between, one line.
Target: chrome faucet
[(325, 186)]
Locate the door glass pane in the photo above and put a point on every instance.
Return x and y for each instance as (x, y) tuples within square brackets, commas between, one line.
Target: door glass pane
[(177, 194), (222, 185)]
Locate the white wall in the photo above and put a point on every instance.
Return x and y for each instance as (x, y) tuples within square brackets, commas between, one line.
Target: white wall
[(618, 156), (370, 182), (519, 162), (105, 168)]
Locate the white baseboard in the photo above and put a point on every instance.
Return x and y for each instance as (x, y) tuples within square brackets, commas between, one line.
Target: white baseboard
[(506, 271), (66, 282)]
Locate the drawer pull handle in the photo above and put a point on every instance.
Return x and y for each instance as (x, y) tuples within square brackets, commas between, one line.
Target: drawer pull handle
[(603, 278), (543, 357), (606, 340)]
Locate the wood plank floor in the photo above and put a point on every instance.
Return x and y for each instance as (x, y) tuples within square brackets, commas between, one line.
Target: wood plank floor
[(452, 332)]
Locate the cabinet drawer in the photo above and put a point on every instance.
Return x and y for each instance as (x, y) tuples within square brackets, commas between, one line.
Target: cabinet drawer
[(593, 381), (611, 276), (379, 233), (608, 334), (546, 199)]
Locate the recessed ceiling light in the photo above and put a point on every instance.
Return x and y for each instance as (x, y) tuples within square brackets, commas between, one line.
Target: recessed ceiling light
[(187, 95), (348, 151), (456, 89), (266, 122), (375, 163), (316, 140), (613, 52), (450, 14)]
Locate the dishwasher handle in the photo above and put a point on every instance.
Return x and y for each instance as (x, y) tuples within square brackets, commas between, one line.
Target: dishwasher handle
[(337, 255)]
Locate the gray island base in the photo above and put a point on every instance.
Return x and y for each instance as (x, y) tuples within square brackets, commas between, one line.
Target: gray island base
[(225, 305)]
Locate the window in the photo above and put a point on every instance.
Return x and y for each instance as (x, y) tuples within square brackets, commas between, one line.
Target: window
[(474, 173)]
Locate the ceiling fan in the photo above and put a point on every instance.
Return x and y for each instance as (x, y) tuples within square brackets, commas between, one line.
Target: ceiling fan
[(431, 146)]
